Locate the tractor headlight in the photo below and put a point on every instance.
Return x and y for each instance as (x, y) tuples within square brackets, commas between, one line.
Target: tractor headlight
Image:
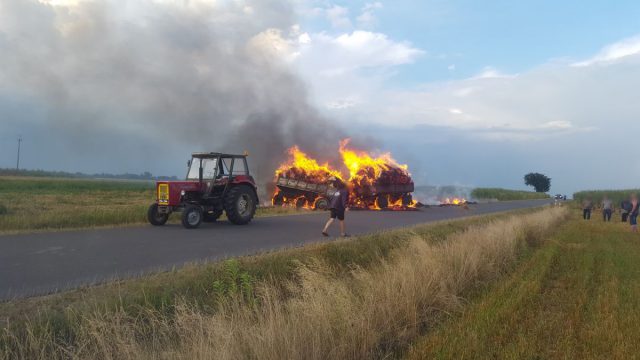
[(182, 193)]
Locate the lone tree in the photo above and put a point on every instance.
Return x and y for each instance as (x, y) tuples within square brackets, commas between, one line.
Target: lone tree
[(540, 182)]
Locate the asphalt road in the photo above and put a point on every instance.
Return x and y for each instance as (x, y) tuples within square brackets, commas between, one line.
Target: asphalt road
[(35, 264)]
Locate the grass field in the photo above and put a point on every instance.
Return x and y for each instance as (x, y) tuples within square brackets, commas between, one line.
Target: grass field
[(33, 204), (597, 195), (363, 298), (578, 297), (506, 194)]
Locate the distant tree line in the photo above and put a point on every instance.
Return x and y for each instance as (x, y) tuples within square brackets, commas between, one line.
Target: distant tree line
[(63, 174)]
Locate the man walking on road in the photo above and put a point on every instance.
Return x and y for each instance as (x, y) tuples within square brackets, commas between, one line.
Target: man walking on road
[(607, 208), (338, 206)]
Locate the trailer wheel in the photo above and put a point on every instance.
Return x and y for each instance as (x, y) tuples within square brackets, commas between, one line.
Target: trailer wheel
[(155, 218), (301, 202), (321, 204), (407, 199), (212, 216), (240, 204), (382, 201), (192, 216), (278, 199)]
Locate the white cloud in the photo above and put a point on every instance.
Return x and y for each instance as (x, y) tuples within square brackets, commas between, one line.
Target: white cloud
[(333, 65), (367, 18), (491, 73), (614, 52), (338, 16), (550, 100)]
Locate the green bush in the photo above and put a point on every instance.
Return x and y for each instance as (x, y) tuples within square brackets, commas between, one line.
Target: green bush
[(3, 210), (506, 194)]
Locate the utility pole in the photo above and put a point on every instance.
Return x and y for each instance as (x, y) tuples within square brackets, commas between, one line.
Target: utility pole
[(18, 162)]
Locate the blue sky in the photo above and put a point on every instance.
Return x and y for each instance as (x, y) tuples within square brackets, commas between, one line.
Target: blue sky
[(512, 36), (464, 92)]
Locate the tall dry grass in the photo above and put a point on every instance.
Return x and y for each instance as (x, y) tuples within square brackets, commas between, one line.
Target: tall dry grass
[(371, 313)]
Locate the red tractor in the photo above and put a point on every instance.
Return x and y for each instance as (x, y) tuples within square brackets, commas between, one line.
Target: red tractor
[(215, 183)]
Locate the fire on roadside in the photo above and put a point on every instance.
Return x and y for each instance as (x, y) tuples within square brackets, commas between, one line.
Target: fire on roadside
[(453, 201), (301, 166), (377, 182), (301, 170)]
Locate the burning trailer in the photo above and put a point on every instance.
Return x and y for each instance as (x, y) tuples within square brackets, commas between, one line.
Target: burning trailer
[(375, 183), (304, 183)]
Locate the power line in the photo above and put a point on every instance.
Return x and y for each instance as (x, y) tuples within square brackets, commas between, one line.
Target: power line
[(18, 162)]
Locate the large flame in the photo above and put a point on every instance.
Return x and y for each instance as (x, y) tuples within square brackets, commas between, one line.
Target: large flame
[(302, 168), (375, 182), (357, 161), (300, 165), (366, 171)]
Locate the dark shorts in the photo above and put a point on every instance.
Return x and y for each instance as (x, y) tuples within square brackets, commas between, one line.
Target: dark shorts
[(633, 219), (337, 213)]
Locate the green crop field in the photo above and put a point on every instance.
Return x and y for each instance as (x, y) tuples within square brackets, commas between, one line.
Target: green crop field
[(577, 297), (506, 194), (597, 195), (38, 204)]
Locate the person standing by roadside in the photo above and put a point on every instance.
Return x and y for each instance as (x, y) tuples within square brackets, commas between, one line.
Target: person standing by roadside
[(607, 208), (587, 205), (338, 207), (625, 209), (633, 214)]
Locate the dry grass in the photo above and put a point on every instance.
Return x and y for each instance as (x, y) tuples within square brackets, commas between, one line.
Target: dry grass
[(323, 313)]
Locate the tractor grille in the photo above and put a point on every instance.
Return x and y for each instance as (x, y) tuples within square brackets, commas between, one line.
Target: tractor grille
[(163, 194)]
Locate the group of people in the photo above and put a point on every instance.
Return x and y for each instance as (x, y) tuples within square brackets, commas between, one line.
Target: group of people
[(628, 210)]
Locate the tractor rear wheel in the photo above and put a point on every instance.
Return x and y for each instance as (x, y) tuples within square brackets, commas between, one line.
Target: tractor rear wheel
[(240, 204), (155, 218), (210, 217), (191, 216)]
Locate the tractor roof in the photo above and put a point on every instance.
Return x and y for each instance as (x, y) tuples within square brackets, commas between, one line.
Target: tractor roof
[(216, 154)]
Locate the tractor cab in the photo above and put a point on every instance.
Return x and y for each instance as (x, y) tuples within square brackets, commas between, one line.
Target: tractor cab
[(215, 183)]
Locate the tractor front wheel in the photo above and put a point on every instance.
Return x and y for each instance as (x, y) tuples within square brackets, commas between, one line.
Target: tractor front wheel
[(240, 204), (156, 218), (192, 216)]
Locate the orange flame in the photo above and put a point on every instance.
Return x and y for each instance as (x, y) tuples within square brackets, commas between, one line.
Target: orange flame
[(367, 175), (356, 161), (301, 161), (453, 201), (366, 170)]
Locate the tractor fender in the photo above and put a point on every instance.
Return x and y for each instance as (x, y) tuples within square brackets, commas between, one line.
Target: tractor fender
[(249, 184)]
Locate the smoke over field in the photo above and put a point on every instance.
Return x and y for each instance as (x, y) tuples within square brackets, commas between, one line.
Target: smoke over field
[(162, 74)]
